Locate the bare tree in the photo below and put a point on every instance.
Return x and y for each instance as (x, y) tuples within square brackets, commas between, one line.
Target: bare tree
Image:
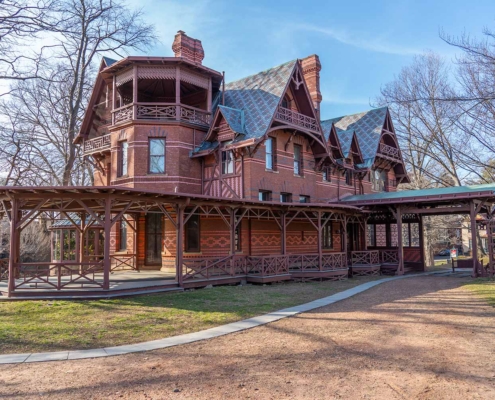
[(44, 115)]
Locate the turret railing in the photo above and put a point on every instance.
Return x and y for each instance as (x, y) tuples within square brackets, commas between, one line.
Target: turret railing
[(161, 112)]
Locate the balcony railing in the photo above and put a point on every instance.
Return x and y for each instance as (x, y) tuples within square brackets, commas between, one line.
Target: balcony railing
[(161, 112), (97, 145), (294, 118), (389, 151)]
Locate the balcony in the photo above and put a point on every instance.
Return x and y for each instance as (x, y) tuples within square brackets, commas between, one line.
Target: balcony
[(161, 112), (297, 119), (97, 145), (389, 151)]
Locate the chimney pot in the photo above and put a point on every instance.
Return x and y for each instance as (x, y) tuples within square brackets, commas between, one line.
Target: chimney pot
[(188, 48)]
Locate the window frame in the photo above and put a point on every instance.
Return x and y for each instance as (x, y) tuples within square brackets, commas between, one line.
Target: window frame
[(164, 140), (306, 198), (270, 156), (262, 193), (123, 155), (122, 235), (327, 236), (285, 197), (225, 162), (298, 162)]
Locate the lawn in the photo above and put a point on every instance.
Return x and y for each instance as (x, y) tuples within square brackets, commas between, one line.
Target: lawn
[(484, 288), (34, 326)]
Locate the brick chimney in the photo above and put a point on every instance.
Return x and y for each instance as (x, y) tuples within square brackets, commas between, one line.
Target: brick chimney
[(188, 48), (311, 68)]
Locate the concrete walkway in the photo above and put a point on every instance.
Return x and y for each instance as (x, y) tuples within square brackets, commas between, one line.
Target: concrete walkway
[(196, 336)]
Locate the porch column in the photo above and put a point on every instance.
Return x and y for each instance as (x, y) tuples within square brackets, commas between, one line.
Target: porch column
[(114, 98), (179, 243), (474, 245), (14, 245), (106, 245), (177, 93), (318, 238), (134, 91), (421, 241), (82, 242), (344, 237), (400, 247), (283, 231)]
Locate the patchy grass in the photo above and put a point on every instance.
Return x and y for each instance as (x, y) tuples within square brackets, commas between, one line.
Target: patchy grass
[(484, 288), (33, 326)]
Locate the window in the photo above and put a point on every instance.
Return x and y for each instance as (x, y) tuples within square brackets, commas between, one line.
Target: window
[(157, 156), (227, 162), (122, 171), (297, 159), (378, 179), (192, 234), (237, 238), (265, 195), (123, 235), (270, 153), (381, 235), (285, 198), (303, 199), (286, 102), (326, 176), (348, 177), (327, 236)]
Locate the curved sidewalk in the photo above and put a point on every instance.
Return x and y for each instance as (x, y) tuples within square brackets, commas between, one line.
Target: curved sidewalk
[(196, 336)]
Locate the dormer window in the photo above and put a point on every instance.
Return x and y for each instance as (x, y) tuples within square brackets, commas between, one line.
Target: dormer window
[(378, 180), (227, 160)]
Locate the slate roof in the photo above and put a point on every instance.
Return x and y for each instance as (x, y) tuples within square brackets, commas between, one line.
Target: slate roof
[(368, 127), (109, 61), (234, 118), (255, 99)]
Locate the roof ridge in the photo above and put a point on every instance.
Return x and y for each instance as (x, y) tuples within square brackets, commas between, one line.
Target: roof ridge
[(350, 115), (261, 72)]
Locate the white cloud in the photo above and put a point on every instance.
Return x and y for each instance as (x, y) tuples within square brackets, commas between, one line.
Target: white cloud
[(360, 40)]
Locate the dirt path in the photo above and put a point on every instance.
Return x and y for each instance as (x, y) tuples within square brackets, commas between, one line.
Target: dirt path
[(417, 338)]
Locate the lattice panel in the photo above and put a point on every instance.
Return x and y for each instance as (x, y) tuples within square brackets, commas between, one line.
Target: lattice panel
[(370, 236), (194, 79), (405, 235), (124, 77), (149, 72), (381, 235), (394, 237), (414, 235)]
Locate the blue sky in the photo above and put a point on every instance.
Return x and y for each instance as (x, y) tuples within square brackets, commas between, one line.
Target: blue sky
[(361, 44)]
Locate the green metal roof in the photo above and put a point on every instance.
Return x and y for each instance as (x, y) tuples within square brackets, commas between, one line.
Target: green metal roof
[(486, 190)]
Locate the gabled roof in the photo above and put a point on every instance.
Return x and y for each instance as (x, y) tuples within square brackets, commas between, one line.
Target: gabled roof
[(368, 126), (258, 96), (109, 61), (234, 118)]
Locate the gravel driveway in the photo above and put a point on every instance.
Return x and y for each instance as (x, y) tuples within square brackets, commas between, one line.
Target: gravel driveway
[(417, 338)]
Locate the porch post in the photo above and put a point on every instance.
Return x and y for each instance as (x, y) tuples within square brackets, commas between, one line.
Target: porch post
[(114, 97), (365, 234), (283, 230), (318, 238), (106, 245), (134, 91), (14, 245), (179, 240), (177, 93), (421, 241), (344, 236), (400, 247), (82, 233), (474, 245)]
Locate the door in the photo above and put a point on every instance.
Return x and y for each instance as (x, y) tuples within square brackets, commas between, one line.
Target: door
[(154, 229)]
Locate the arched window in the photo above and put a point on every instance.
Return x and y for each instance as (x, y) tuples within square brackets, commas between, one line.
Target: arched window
[(286, 102)]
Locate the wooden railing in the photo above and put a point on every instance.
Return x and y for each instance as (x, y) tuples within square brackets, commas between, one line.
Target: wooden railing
[(123, 262), (367, 257), (57, 275), (207, 268), (161, 112), (389, 256), (4, 269), (294, 118), (333, 261), (267, 265), (304, 262), (97, 145), (389, 151)]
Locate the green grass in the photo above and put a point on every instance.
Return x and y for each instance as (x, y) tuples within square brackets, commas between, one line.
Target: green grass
[(484, 288), (33, 326)]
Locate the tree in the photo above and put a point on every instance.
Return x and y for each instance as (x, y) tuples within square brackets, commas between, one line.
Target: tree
[(44, 114)]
